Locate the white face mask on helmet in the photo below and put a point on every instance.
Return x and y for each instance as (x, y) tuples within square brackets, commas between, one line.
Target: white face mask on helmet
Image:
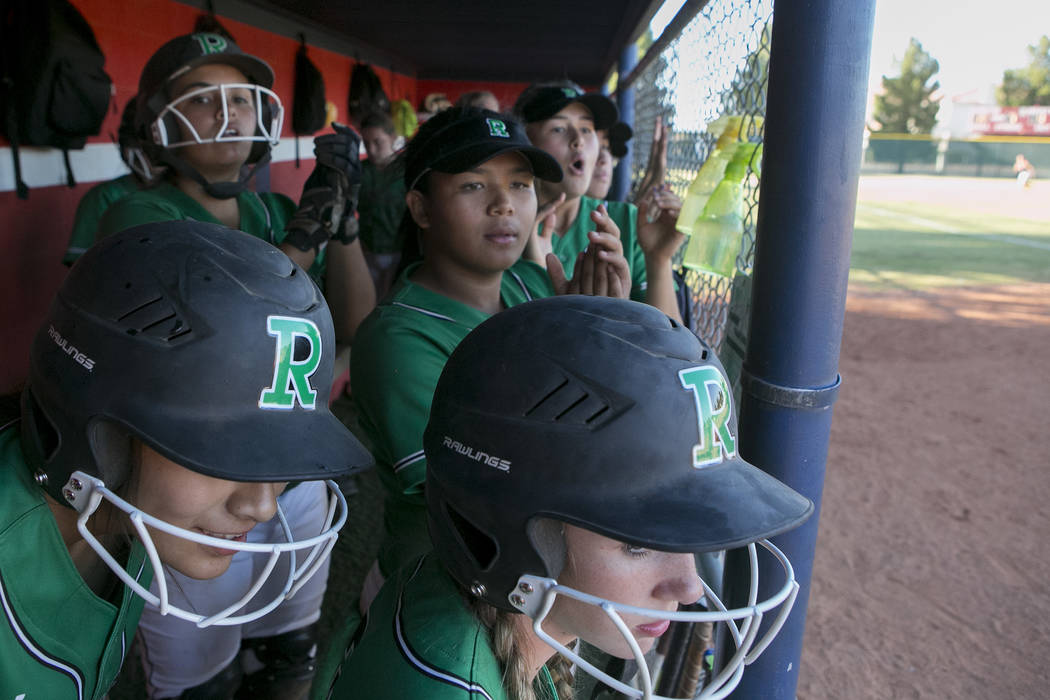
[(535, 596), (269, 117), (86, 493)]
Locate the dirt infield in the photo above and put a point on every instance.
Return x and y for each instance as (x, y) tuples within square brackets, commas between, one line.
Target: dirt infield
[(931, 577)]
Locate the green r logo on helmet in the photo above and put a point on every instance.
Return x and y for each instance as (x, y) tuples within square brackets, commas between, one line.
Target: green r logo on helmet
[(716, 440), (291, 376), (570, 92), (211, 43), (497, 128)]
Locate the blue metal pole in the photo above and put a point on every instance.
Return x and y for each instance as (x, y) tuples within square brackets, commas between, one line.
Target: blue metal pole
[(818, 70), (621, 181)]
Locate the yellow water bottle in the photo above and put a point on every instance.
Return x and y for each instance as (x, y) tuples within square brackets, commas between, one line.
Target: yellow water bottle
[(716, 235)]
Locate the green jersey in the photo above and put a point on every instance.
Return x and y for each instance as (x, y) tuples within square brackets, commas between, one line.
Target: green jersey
[(57, 638), (399, 352), (420, 641), (90, 211), (264, 215), (570, 243), (380, 206)]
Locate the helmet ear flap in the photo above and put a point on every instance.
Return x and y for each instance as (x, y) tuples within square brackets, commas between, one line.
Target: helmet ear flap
[(112, 447), (548, 539)]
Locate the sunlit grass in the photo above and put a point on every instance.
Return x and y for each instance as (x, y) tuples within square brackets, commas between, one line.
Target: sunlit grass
[(928, 244)]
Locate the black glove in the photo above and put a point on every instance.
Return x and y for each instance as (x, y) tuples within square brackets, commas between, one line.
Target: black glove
[(339, 152), (328, 206)]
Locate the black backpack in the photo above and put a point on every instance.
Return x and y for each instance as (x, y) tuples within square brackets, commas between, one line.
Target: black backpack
[(308, 106), (366, 93), (54, 91)]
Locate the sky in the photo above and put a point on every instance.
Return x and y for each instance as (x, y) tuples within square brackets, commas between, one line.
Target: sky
[(974, 42)]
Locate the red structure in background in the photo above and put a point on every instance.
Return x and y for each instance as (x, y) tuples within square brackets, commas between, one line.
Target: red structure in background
[(1012, 121)]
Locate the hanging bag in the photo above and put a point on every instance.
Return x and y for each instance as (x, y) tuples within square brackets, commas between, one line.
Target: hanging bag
[(308, 104), (53, 89), (366, 93)]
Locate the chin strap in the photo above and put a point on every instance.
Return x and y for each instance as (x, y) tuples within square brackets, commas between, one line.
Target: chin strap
[(219, 190)]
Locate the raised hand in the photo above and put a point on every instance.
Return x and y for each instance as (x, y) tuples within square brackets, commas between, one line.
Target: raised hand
[(657, 215), (601, 269), (541, 242), (328, 206)]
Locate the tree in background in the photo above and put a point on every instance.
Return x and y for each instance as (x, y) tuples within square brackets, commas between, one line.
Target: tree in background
[(1029, 85), (907, 105)]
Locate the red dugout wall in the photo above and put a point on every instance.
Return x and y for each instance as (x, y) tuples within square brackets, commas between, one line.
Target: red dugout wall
[(35, 232)]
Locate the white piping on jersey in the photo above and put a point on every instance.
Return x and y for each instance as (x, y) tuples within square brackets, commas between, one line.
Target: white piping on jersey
[(425, 312), (443, 317), (123, 632), (269, 224), (9, 423), (422, 666), (42, 657), (524, 289), (405, 461)]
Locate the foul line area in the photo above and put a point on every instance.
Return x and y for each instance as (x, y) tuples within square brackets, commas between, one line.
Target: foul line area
[(944, 228)]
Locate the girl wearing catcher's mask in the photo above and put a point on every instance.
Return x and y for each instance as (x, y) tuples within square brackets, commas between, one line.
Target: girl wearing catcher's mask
[(205, 113), (580, 452)]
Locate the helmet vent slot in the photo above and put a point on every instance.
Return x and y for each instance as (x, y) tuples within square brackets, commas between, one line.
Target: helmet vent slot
[(156, 318), (481, 547), (569, 402)]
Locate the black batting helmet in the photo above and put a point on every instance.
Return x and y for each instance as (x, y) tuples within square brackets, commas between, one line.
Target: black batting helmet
[(205, 343), (600, 413)]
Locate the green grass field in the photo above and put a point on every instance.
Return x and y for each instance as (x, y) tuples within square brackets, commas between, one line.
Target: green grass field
[(919, 232)]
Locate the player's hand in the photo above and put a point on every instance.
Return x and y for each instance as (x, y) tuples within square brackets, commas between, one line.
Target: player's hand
[(339, 153), (541, 242), (601, 269), (328, 208), (656, 169), (658, 212)]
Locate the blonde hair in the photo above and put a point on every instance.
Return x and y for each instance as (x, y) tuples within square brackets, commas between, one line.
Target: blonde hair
[(505, 645)]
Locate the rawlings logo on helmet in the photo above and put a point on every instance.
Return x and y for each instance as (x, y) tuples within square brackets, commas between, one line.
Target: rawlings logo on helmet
[(291, 376), (716, 440)]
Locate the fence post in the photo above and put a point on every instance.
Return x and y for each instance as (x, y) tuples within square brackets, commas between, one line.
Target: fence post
[(621, 180), (818, 70)]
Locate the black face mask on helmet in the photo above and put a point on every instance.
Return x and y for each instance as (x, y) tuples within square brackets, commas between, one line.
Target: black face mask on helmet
[(607, 415)]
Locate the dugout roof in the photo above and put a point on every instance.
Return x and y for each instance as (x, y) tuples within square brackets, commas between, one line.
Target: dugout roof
[(484, 40)]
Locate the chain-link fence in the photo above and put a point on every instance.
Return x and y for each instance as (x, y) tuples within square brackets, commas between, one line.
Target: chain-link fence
[(716, 67)]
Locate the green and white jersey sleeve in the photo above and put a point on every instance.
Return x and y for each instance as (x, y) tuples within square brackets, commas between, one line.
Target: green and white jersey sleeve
[(399, 352), (263, 215), (58, 640), (420, 641), (569, 244), (93, 205)]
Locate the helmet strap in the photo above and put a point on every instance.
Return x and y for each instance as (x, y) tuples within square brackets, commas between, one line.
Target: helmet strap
[(219, 190)]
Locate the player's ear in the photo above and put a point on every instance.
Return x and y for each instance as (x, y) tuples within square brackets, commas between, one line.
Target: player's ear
[(417, 207)]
